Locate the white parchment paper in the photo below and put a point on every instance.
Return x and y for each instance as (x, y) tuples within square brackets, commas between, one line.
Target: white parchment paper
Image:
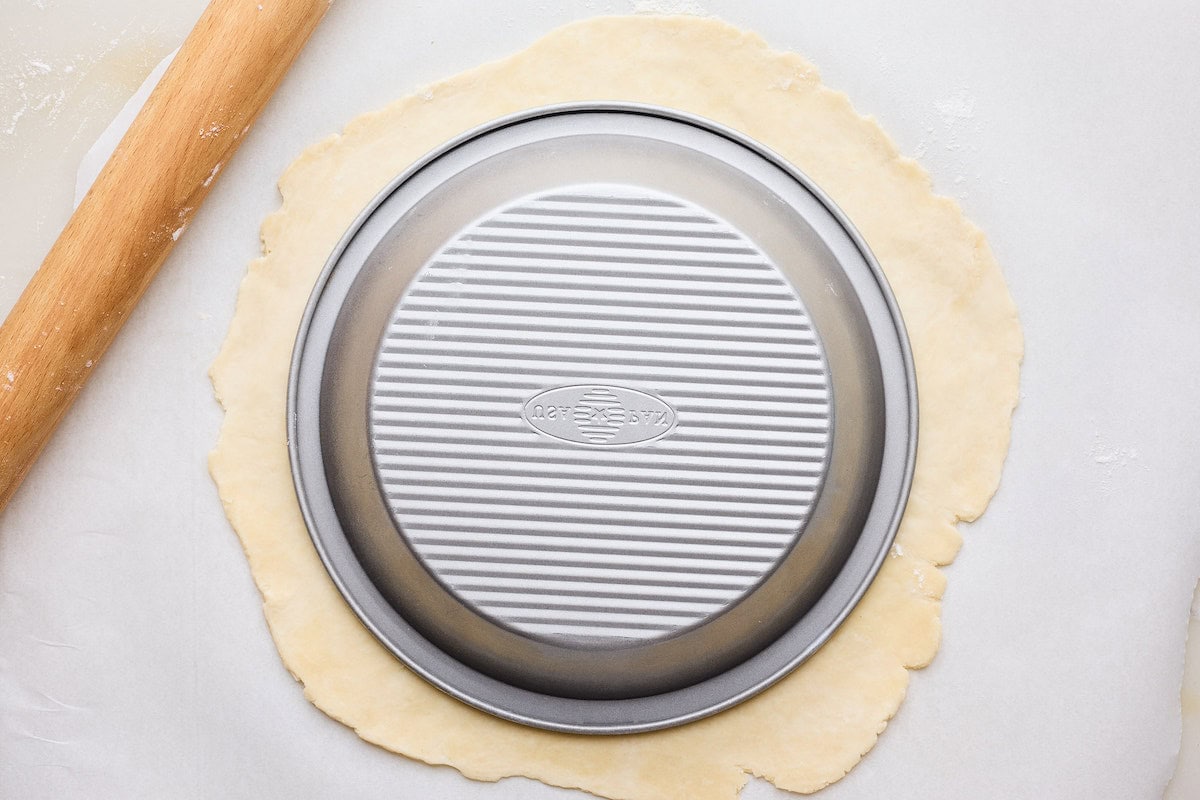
[(134, 661)]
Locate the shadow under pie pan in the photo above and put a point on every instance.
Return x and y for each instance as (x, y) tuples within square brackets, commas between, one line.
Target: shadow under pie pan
[(602, 418)]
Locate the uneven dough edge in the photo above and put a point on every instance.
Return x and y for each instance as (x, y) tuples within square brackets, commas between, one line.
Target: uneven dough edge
[(967, 348)]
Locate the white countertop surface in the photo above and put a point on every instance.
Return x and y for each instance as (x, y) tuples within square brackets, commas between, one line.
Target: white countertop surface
[(134, 660)]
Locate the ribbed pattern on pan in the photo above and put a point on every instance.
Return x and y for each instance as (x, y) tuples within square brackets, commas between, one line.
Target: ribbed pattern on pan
[(600, 286)]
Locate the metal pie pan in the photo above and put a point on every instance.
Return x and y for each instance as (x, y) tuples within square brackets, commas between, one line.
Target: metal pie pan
[(602, 418)]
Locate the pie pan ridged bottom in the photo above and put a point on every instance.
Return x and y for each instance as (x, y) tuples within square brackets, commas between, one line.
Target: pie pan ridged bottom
[(602, 418)]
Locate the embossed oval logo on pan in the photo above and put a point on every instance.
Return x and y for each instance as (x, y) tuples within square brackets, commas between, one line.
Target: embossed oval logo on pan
[(598, 415)]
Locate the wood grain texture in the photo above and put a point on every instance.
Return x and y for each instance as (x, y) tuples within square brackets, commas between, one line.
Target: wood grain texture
[(117, 239)]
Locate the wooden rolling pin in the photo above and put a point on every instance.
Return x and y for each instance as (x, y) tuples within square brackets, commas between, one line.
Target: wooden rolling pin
[(119, 236)]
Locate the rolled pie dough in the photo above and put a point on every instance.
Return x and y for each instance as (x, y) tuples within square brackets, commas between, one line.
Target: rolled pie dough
[(813, 726)]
